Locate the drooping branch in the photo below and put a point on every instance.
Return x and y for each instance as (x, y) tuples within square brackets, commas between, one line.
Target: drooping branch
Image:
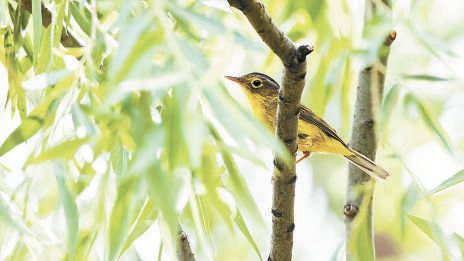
[(294, 61), (184, 251), (364, 140), (67, 37)]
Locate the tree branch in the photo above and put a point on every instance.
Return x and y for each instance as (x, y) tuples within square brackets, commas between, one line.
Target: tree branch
[(294, 61), (184, 252), (364, 140), (67, 38)]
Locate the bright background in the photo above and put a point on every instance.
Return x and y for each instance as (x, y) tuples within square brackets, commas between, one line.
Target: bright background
[(140, 133)]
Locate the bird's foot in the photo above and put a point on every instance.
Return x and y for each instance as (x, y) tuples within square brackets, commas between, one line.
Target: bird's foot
[(305, 155)]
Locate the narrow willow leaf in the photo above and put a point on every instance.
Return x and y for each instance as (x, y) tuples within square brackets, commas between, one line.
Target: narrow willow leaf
[(408, 201), (191, 17), (437, 234), (430, 120), (58, 24), (30, 126), (128, 37), (160, 251), (389, 103), (70, 208), (147, 216), (81, 20), (65, 150), (236, 182), (425, 77), (121, 215), (86, 241), (360, 239), (44, 80), (246, 232), (12, 220), (45, 58), (37, 27), (454, 180)]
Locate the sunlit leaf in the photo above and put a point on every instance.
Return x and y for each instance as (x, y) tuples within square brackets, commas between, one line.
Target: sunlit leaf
[(65, 150), (425, 77), (446, 243), (30, 126), (37, 25), (70, 208), (246, 232), (429, 119), (121, 215), (83, 22), (147, 216), (453, 180)]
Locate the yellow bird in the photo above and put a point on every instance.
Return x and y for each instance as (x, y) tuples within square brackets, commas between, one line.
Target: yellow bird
[(314, 134)]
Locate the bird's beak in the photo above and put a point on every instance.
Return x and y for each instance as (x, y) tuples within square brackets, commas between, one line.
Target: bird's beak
[(232, 78)]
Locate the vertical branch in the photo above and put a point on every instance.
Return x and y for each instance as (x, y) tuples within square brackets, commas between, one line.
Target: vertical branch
[(364, 140), (294, 61), (184, 251)]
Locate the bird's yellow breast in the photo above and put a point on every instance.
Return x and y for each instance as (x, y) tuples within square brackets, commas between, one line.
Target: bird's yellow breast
[(310, 137)]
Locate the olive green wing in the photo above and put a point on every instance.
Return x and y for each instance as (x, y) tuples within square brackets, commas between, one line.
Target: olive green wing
[(307, 115)]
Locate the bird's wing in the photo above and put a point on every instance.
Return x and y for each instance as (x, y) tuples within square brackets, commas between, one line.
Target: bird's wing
[(307, 115)]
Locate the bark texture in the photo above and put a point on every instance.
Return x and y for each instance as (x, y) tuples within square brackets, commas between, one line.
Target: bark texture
[(294, 61), (184, 251), (364, 140)]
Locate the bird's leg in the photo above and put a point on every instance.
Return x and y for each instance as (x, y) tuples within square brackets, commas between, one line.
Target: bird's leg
[(305, 155)]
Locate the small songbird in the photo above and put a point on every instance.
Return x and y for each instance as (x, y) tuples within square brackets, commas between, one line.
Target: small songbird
[(314, 134)]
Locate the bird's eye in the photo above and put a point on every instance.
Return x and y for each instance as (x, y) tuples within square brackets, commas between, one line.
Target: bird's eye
[(257, 83)]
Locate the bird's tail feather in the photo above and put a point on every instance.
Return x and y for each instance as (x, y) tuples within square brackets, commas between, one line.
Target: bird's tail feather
[(367, 165)]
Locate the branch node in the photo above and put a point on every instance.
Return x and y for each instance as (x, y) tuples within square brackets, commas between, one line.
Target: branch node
[(282, 99), (350, 210), (291, 228), (289, 141), (391, 38), (291, 180), (303, 51), (278, 165), (276, 213)]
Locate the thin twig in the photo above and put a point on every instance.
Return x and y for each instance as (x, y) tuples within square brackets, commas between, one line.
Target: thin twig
[(294, 61)]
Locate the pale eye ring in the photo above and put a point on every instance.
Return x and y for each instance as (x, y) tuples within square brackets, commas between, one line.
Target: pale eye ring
[(256, 83)]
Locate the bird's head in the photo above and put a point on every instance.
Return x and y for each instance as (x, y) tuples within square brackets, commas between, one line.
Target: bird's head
[(257, 84)]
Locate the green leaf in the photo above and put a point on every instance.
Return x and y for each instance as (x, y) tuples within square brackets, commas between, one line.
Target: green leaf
[(408, 201), (437, 234), (37, 27), (70, 208), (65, 150), (361, 245), (121, 214), (81, 20), (388, 106), (454, 180), (430, 120), (145, 219), (246, 232), (425, 77), (30, 126), (191, 17), (44, 80)]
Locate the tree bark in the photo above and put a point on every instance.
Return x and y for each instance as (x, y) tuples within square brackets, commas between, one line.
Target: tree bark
[(364, 140), (284, 177), (184, 251)]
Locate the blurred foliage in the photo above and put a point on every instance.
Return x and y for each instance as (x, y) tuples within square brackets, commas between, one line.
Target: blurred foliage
[(107, 149)]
